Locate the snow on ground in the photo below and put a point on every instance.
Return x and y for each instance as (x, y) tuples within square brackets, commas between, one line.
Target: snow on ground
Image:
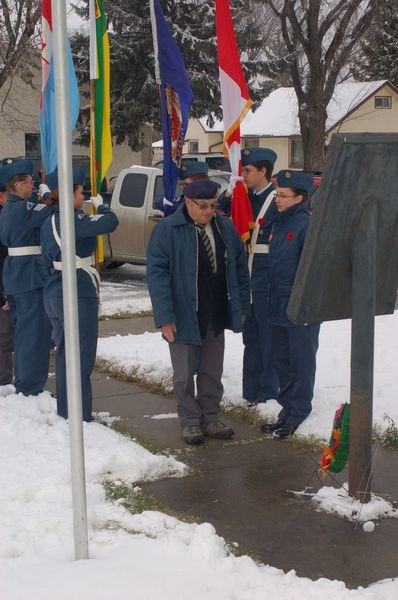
[(152, 555), (124, 297), (150, 354), (337, 501), (145, 557)]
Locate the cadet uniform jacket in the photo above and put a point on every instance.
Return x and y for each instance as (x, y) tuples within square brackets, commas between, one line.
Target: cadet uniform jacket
[(20, 224), (86, 230), (286, 243), (259, 275)]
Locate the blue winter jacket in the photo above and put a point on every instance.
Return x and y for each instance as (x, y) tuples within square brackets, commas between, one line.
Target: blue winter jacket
[(286, 244), (172, 267)]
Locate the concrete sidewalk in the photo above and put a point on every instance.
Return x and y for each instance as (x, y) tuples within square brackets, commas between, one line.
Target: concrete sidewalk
[(242, 488)]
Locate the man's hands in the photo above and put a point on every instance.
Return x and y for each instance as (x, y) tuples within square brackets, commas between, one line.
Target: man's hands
[(168, 331)]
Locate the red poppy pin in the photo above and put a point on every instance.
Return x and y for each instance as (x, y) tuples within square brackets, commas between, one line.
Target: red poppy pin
[(290, 235), (261, 222)]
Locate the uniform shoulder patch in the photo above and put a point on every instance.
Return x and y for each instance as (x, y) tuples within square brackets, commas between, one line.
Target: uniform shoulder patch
[(96, 217), (39, 207)]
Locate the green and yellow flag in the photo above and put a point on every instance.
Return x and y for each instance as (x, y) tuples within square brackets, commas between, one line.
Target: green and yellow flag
[(100, 130)]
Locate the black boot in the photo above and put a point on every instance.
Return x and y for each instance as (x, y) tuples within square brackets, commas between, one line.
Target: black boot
[(271, 427), (284, 431)]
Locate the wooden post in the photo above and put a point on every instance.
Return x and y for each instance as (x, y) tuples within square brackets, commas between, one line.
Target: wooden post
[(364, 249)]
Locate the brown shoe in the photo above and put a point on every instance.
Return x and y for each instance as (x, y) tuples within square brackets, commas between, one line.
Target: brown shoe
[(218, 430), (192, 434)]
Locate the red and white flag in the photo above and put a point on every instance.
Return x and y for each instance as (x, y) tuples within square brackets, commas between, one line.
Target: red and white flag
[(236, 103)]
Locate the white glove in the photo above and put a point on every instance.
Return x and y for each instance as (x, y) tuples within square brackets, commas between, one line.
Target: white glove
[(44, 189), (232, 181), (96, 201)]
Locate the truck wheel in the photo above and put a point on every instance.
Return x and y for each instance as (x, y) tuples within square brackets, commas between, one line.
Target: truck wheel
[(115, 264)]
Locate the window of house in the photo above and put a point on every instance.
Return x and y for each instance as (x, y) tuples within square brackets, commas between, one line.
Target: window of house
[(193, 146), (251, 142), (383, 101), (296, 153), (133, 190), (32, 144)]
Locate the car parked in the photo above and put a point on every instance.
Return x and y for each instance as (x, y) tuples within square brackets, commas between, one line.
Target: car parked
[(215, 160)]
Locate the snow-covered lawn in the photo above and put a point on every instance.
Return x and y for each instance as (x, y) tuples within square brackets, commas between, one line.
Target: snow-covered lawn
[(150, 556), (125, 297), (149, 353)]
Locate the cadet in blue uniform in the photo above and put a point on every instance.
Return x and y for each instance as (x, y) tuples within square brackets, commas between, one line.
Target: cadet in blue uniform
[(24, 276), (86, 230), (6, 332), (189, 172), (260, 381), (294, 346)]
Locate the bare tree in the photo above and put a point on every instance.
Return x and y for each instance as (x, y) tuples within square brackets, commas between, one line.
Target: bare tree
[(18, 37), (320, 36)]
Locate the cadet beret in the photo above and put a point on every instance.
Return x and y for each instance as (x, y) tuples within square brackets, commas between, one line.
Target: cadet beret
[(253, 155), (196, 167), (15, 166), (294, 179), (201, 189), (79, 178)]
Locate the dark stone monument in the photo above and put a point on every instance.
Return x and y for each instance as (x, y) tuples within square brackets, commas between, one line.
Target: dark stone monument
[(349, 268)]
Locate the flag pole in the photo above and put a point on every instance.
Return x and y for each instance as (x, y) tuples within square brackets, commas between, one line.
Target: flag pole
[(99, 250), (69, 285), (155, 42), (93, 177)]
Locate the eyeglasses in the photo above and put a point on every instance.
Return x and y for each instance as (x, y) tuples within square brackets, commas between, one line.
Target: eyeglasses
[(283, 195), (205, 206)]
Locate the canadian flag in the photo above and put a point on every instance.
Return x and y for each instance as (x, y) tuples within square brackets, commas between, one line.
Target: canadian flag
[(236, 103)]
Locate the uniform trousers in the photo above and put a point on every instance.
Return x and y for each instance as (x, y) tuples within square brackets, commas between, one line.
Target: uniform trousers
[(6, 347), (32, 339), (88, 335), (295, 351), (200, 408), (260, 379)]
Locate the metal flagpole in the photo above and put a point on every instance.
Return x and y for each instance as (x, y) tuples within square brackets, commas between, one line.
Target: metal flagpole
[(155, 41), (64, 153)]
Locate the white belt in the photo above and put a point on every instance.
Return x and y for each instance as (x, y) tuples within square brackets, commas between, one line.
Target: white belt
[(259, 249), (24, 251), (86, 263)]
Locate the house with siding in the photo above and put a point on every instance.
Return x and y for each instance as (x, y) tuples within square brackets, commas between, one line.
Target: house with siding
[(20, 127), (355, 107)]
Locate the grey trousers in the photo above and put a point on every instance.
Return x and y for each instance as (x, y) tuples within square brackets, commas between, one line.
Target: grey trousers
[(6, 348), (202, 408)]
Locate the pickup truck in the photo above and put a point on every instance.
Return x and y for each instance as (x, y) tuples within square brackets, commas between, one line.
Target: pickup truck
[(133, 200)]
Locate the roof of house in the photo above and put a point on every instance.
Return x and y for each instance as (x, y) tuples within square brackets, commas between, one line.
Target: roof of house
[(277, 115)]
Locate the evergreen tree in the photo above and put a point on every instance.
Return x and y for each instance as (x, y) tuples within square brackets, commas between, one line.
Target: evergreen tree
[(134, 93), (379, 49)]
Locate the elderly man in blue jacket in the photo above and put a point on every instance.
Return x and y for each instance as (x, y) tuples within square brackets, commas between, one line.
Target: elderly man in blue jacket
[(199, 286)]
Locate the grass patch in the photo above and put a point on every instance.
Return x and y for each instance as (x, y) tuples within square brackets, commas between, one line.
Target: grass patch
[(136, 501), (246, 414), (306, 442), (389, 437), (161, 385), (126, 315)]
